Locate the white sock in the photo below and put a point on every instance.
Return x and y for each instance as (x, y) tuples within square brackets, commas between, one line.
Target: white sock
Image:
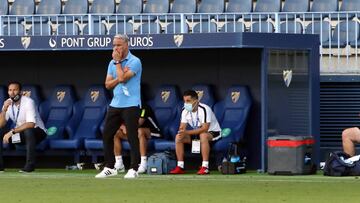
[(119, 159), (205, 164), (143, 160), (180, 164)]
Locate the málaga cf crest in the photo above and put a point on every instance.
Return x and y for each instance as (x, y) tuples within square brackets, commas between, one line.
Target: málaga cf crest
[(60, 95), (287, 76), (165, 95), (178, 39)]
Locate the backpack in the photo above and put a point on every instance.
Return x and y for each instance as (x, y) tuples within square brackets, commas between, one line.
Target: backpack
[(233, 164), (161, 163), (336, 166)]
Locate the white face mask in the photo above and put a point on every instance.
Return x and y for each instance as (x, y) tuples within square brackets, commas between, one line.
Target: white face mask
[(188, 107)]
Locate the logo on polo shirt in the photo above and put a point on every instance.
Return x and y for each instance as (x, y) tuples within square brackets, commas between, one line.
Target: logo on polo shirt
[(287, 76), (178, 39), (60, 95), (200, 94), (26, 93), (235, 96), (94, 95), (165, 95), (25, 41)]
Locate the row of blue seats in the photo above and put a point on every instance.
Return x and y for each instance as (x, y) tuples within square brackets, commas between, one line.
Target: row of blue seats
[(27, 7), (80, 123)]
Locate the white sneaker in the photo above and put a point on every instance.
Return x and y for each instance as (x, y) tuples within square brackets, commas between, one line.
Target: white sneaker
[(131, 174), (106, 172), (119, 167), (142, 169)]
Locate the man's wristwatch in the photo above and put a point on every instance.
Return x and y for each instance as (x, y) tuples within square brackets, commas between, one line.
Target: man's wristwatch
[(13, 131), (117, 62)]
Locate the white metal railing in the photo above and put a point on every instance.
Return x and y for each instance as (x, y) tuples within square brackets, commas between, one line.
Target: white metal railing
[(338, 55)]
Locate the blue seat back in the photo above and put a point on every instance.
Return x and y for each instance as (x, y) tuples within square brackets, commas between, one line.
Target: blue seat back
[(296, 6), (291, 27), (263, 27), (130, 6), (239, 6), (3, 94), (232, 112), (76, 7), (68, 29), (268, 6), (149, 28), (91, 113), (4, 7), (184, 6), (205, 94), (172, 28), (33, 92), (14, 30), (164, 104), (40, 29), (157, 6), (322, 28), (211, 6), (346, 32), (350, 5), (57, 109), (205, 27), (324, 6), (121, 28), (22, 7), (49, 7), (98, 27), (102, 6), (233, 27)]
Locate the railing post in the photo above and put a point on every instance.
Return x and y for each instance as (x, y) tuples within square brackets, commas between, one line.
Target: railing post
[(91, 24), (1, 25), (277, 23), (182, 23)]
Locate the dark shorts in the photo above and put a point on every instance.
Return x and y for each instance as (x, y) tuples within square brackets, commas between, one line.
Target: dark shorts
[(216, 136)]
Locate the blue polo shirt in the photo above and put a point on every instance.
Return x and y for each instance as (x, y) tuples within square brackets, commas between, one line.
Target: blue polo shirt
[(121, 98)]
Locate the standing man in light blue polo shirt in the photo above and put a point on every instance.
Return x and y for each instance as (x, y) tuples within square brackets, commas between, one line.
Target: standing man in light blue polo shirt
[(123, 77)]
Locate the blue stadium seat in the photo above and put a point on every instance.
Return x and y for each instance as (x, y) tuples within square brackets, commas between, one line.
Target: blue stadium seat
[(180, 6), (232, 112), (205, 27), (14, 30), (48, 7), (265, 6), (346, 32), (21, 7), (75, 7), (175, 27), (322, 6), (233, 27), (32, 91), (4, 7), (40, 29), (236, 6), (153, 7), (149, 28), (121, 28), (57, 110), (291, 27), (299, 6), (98, 28), (263, 27), (100, 9), (322, 28), (348, 6), (85, 122), (68, 29), (128, 8), (209, 6)]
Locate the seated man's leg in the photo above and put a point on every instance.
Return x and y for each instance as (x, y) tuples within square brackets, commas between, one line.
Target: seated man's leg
[(119, 164), (144, 134), (180, 140), (205, 139), (2, 133), (31, 137), (350, 136)]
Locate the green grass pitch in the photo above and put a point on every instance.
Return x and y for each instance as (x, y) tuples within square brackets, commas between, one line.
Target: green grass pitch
[(57, 185)]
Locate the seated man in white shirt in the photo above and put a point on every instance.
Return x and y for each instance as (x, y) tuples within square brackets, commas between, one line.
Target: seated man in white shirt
[(28, 128), (204, 126)]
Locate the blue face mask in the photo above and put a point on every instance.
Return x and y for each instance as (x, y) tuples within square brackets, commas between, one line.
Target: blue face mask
[(188, 107)]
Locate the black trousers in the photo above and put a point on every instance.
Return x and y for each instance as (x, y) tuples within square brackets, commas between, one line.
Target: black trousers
[(29, 137), (114, 117)]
